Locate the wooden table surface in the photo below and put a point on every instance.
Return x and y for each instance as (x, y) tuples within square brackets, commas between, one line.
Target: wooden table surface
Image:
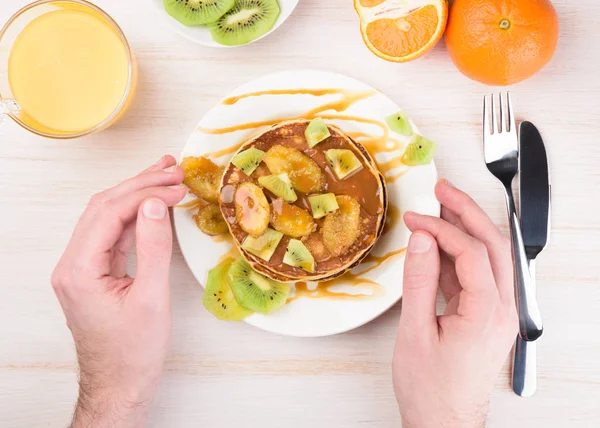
[(222, 375)]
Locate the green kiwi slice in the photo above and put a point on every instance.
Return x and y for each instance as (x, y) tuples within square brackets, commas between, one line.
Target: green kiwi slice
[(265, 245), (218, 297), (297, 255), (398, 122), (321, 205), (247, 21), (248, 160), (343, 162), (197, 12), (316, 131), (419, 152), (280, 185), (255, 291)]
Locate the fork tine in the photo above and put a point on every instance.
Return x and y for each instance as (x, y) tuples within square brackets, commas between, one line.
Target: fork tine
[(486, 116), (501, 117), (494, 118), (511, 115)]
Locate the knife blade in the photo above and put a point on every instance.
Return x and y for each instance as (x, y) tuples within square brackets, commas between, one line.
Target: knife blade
[(535, 191)]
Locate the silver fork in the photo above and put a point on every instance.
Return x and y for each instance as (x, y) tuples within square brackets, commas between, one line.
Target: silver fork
[(501, 149)]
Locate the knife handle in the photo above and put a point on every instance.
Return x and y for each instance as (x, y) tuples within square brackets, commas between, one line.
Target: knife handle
[(524, 376), (530, 320)]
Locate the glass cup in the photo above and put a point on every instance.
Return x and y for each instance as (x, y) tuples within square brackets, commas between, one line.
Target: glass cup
[(10, 107)]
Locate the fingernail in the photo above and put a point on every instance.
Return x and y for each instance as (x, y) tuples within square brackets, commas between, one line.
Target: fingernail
[(450, 184), (419, 243), (170, 169), (176, 187), (159, 161), (154, 209)]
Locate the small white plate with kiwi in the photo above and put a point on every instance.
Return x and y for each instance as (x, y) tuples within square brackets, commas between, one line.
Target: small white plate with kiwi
[(362, 113), (225, 23)]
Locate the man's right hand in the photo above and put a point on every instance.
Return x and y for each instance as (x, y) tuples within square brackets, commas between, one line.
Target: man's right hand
[(445, 367)]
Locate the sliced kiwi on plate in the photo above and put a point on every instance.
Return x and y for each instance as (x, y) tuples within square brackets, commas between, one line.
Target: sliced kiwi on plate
[(248, 160), (419, 152), (255, 291), (280, 185), (264, 246), (210, 220), (246, 21), (343, 162), (218, 297), (197, 12), (321, 205), (398, 122), (297, 255), (316, 131)]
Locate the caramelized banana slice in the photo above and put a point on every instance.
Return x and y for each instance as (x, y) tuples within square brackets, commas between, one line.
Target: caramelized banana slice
[(342, 227), (291, 220), (210, 220), (252, 210), (203, 177), (306, 176)]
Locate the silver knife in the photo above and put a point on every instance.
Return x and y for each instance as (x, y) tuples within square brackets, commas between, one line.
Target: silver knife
[(534, 188)]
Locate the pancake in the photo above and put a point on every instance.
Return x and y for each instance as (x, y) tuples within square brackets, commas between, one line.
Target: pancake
[(366, 186)]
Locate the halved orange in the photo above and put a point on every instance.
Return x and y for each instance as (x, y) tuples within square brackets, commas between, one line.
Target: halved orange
[(401, 30)]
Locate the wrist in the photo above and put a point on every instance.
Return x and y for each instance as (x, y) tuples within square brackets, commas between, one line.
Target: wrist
[(476, 418)]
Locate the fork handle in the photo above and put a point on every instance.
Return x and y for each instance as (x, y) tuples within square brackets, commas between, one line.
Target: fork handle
[(524, 376), (530, 320)]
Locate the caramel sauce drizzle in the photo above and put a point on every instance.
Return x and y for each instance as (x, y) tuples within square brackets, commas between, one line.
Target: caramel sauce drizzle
[(193, 204), (375, 144)]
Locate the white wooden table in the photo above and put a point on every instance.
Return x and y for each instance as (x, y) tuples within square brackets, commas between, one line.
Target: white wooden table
[(222, 375)]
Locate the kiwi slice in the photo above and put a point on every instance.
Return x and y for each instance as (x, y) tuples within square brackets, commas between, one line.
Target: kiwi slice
[(316, 131), (210, 220), (398, 122), (343, 162), (197, 12), (297, 255), (280, 185), (248, 160), (321, 205), (255, 291), (419, 152), (218, 297), (247, 21), (265, 245)]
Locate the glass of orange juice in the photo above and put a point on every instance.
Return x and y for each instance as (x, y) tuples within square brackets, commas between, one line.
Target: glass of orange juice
[(66, 69)]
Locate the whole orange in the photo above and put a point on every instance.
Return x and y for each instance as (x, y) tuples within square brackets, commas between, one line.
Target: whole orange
[(500, 42)]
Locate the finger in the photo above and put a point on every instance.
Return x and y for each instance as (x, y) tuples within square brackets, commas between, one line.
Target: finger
[(142, 181), (112, 217), (448, 280), (477, 223), (421, 279), (154, 245), (452, 218), (166, 161), (473, 269)]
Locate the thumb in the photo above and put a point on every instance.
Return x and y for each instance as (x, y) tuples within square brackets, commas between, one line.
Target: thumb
[(154, 245), (421, 280)]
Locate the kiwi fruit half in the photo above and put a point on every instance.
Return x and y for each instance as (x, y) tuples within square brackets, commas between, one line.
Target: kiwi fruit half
[(210, 220), (218, 297), (280, 185), (343, 162), (321, 205), (245, 22), (399, 123), (419, 152), (197, 12), (248, 160), (298, 255), (316, 131), (265, 245), (255, 291)]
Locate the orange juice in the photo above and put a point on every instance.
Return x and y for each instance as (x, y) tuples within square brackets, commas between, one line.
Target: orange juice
[(69, 70)]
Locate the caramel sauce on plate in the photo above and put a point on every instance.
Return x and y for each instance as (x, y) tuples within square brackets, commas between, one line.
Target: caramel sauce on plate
[(374, 144)]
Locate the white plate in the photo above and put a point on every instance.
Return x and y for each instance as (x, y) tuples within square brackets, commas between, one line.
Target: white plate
[(201, 34), (309, 317)]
